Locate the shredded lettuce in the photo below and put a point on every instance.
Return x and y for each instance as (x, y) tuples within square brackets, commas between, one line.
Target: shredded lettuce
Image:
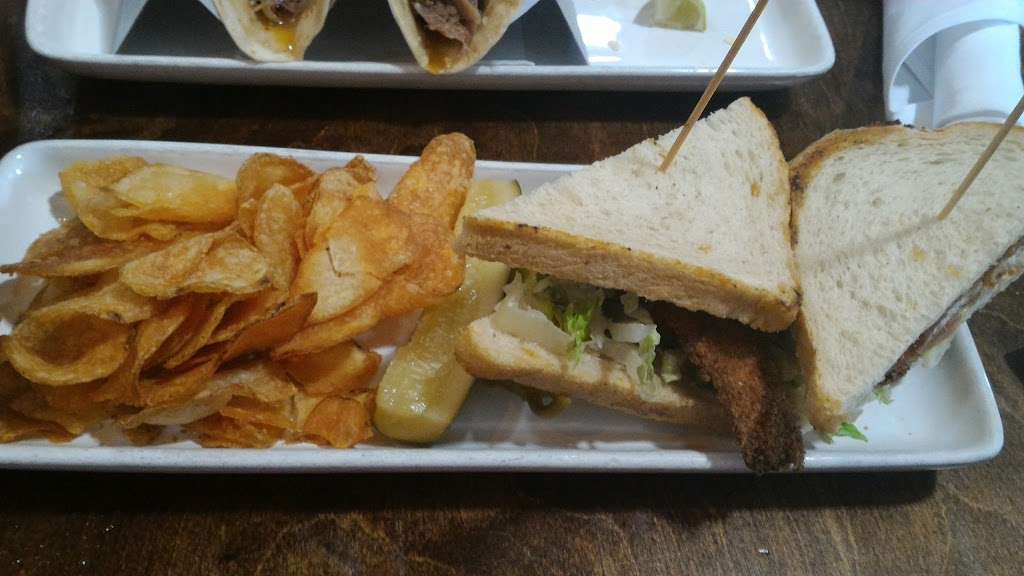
[(850, 431), (846, 429), (608, 323), (646, 369), (884, 394)]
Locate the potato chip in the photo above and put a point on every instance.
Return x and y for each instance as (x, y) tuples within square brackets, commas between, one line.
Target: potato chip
[(247, 216), (71, 398), (261, 380), (112, 300), (318, 337), (361, 170), (72, 250), (162, 273), (75, 421), (56, 290), (340, 370), (338, 422), (437, 272), (232, 266), (12, 384), (174, 194), (189, 410), (197, 309), (201, 336), (143, 435), (303, 188), (436, 185), (97, 207), (278, 220), (368, 242), (59, 346), (101, 172), (261, 171), (218, 431), (279, 414), (177, 387), (247, 312), (15, 426), (258, 174), (271, 331), (122, 386)]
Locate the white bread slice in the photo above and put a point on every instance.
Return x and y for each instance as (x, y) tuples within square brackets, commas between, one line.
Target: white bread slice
[(711, 234), (883, 280), (487, 352)]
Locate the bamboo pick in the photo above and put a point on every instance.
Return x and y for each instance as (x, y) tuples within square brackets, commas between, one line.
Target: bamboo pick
[(713, 85), (1011, 121)]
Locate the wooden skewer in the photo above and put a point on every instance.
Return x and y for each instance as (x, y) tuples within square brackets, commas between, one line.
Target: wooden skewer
[(1011, 121), (713, 85)]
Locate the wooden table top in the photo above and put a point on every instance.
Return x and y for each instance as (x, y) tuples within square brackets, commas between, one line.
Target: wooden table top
[(966, 521)]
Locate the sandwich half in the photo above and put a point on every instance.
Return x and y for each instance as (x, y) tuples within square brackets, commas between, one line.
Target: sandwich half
[(654, 293), (884, 282), (447, 36), (273, 30)]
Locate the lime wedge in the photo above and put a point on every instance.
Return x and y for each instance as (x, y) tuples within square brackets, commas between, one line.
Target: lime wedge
[(681, 14)]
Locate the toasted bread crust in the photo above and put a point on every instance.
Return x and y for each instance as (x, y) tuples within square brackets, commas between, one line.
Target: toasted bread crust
[(607, 265), (487, 352)]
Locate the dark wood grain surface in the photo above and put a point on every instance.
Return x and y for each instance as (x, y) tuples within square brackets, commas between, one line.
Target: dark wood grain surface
[(967, 521)]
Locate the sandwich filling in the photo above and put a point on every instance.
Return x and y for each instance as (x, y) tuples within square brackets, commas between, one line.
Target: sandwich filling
[(753, 374), (279, 12), (574, 319), (455, 20)]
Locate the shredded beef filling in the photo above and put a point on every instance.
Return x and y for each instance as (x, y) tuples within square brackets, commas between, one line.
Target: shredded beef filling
[(454, 19), (279, 12)]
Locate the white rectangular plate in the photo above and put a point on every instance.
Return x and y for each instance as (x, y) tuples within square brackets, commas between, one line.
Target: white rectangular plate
[(939, 417), (178, 40)]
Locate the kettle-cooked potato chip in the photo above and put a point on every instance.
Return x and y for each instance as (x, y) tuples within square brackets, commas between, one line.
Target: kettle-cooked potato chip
[(75, 420), (72, 250), (278, 414), (273, 330), (437, 272), (436, 185), (97, 208), (162, 273), (337, 422), (258, 174), (59, 346), (341, 370), (110, 299), (122, 386), (173, 194), (278, 220), (215, 310), (365, 244), (247, 312), (361, 170), (176, 388), (15, 426), (232, 266), (218, 431), (260, 379)]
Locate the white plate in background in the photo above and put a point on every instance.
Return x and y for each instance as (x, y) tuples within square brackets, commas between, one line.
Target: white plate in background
[(360, 46), (940, 417)]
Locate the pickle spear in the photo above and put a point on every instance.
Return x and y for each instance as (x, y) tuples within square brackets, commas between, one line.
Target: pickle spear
[(424, 387)]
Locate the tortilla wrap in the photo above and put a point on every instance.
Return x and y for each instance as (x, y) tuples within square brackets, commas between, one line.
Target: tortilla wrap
[(438, 55), (267, 42)]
